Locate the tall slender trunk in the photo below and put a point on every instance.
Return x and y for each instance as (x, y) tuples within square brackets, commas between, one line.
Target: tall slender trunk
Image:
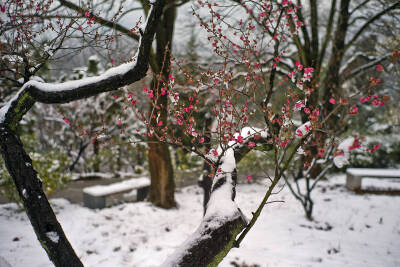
[(160, 165)]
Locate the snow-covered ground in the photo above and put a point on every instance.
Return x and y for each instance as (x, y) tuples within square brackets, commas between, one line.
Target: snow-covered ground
[(349, 230)]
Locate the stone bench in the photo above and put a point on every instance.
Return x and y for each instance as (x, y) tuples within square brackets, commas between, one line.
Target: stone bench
[(94, 197), (354, 176)]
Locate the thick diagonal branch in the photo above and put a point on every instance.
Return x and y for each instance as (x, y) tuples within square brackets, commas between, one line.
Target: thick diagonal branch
[(113, 79)]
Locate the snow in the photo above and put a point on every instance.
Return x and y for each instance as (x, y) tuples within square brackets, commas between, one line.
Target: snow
[(247, 132), (24, 193), (344, 146), (53, 236), (71, 85), (365, 230), (374, 172), (103, 190), (303, 129)]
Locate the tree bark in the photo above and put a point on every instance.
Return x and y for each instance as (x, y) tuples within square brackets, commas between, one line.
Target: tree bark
[(206, 180), (162, 176), (162, 186)]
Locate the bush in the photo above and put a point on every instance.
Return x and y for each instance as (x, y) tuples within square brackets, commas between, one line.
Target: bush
[(51, 167)]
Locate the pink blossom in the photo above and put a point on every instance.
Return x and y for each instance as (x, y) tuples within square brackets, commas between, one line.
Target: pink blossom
[(214, 152), (248, 178), (375, 102), (299, 133), (201, 140), (299, 105), (159, 123), (252, 144), (379, 67), (353, 110), (239, 139), (375, 148), (284, 143), (308, 70), (66, 120), (332, 101), (298, 64)]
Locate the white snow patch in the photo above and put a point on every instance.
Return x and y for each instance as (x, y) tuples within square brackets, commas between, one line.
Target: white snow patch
[(53, 236), (25, 194), (374, 172), (342, 160), (303, 130), (281, 237), (102, 190)]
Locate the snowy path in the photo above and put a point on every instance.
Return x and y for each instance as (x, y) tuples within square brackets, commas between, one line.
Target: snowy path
[(365, 231)]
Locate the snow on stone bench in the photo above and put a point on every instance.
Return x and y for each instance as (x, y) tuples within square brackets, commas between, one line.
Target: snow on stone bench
[(94, 197), (354, 175)]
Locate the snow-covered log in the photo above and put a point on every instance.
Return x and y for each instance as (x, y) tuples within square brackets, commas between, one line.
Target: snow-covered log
[(48, 230)]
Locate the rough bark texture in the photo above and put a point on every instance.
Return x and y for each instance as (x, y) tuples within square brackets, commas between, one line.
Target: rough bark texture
[(160, 165), (215, 245), (162, 183), (39, 211)]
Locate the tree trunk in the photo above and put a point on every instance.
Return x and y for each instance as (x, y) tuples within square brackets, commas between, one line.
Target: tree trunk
[(162, 176), (160, 165), (48, 230), (206, 181)]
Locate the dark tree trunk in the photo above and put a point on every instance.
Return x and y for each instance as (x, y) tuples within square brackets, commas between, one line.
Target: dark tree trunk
[(160, 165), (206, 181), (48, 230)]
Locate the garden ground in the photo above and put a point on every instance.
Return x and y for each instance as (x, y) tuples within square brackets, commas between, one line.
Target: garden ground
[(349, 229)]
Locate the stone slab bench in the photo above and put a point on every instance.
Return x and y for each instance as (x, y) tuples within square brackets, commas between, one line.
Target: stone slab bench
[(94, 197), (354, 176)]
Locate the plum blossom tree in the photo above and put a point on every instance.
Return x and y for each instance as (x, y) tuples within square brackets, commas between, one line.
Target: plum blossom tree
[(245, 107)]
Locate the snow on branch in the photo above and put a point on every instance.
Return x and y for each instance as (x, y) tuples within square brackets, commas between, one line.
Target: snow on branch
[(223, 219), (113, 79)]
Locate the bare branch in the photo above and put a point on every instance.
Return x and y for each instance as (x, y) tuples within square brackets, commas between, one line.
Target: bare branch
[(371, 20)]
